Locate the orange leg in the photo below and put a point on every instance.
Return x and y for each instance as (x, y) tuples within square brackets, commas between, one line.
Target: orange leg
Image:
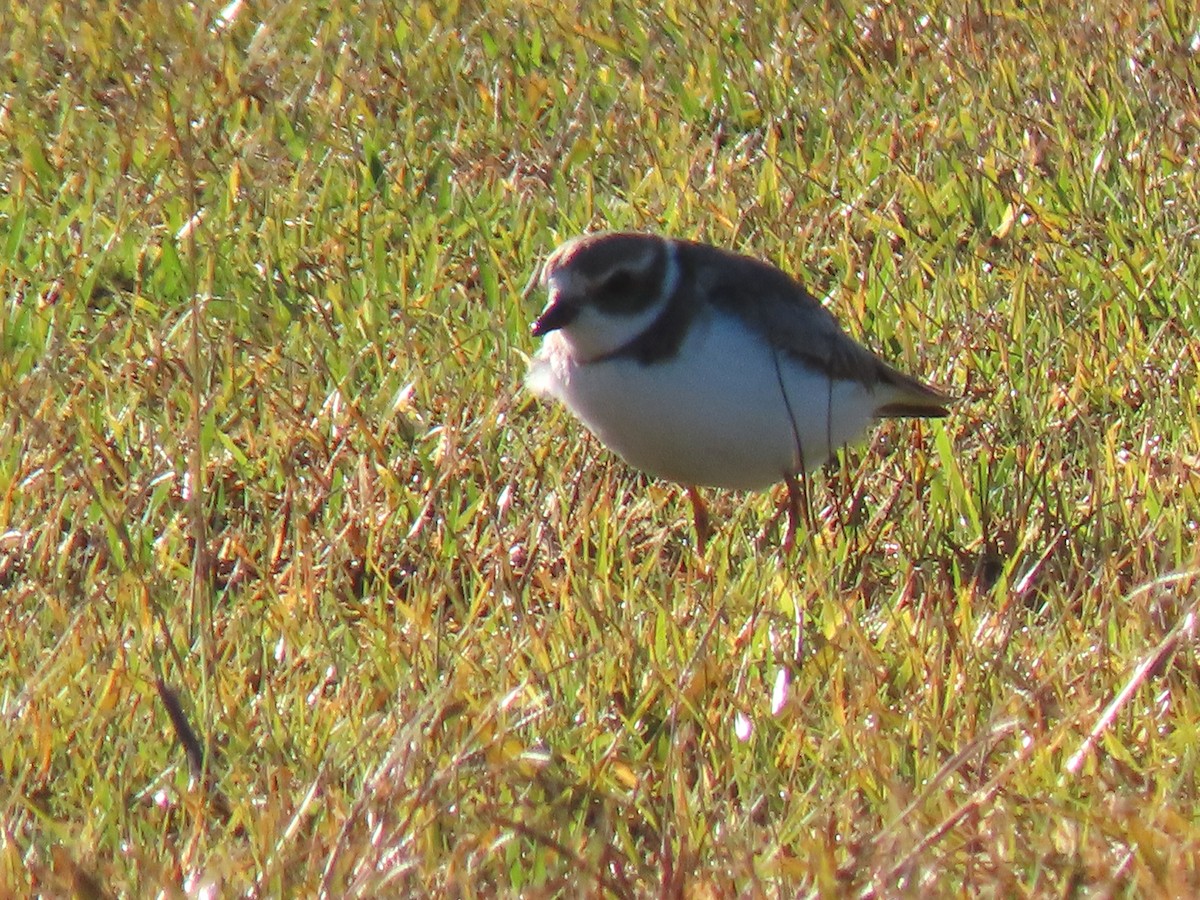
[(794, 496), (700, 517), (792, 506)]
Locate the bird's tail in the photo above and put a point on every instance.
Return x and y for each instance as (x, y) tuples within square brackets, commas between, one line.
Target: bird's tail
[(903, 395)]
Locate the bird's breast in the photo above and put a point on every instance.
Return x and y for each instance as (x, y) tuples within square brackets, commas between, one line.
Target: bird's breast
[(728, 410)]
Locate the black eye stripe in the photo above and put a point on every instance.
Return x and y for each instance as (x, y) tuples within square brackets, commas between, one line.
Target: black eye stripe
[(619, 282), (624, 292)]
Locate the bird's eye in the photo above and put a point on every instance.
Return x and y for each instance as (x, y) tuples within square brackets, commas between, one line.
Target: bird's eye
[(619, 282)]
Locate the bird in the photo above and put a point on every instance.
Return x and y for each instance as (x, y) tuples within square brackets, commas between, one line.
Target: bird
[(706, 367)]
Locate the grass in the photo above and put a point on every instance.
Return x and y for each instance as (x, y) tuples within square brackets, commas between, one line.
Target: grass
[(268, 474)]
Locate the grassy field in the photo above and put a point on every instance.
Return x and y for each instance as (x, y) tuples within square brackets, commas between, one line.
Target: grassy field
[(303, 593)]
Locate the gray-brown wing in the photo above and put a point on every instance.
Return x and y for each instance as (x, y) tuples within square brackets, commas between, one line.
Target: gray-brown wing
[(778, 307)]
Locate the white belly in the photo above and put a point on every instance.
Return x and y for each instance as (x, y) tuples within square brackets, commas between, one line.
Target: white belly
[(715, 414)]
